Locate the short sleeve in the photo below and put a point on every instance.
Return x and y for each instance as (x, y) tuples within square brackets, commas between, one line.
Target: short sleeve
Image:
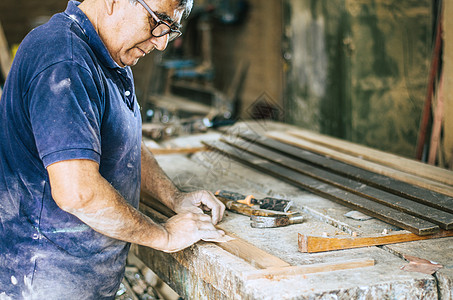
[(66, 108)]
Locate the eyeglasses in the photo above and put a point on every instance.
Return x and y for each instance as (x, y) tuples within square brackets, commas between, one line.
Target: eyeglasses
[(161, 28)]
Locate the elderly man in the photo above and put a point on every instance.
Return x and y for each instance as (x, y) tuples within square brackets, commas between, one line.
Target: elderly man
[(72, 162)]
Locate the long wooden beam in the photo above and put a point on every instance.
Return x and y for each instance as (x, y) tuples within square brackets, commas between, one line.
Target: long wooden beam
[(374, 179), (387, 159), (367, 206), (314, 244), (364, 164), (277, 273)]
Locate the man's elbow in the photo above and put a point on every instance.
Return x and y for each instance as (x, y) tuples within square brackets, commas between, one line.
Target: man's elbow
[(73, 200)]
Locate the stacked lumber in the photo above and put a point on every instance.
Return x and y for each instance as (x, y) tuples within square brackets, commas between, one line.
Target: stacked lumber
[(309, 165)]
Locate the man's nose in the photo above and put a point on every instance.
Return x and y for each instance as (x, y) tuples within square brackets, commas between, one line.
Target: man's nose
[(160, 43)]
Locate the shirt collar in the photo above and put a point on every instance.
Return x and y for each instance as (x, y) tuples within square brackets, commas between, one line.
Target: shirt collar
[(94, 40)]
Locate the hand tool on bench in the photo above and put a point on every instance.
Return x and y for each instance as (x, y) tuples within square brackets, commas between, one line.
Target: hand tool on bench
[(276, 220), (268, 203), (260, 218)]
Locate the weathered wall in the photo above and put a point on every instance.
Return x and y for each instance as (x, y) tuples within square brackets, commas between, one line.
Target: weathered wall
[(357, 69), (20, 16), (256, 41)]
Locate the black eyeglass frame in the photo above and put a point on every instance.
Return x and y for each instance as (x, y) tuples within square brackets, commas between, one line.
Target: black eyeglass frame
[(172, 33)]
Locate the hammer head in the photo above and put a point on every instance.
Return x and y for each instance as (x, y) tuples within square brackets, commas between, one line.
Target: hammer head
[(275, 220)]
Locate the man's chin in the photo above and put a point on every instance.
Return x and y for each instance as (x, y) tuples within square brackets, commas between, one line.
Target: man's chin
[(130, 63)]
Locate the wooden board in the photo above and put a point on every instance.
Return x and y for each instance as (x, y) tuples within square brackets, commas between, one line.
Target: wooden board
[(387, 159), (367, 165), (277, 273), (383, 182), (369, 207), (313, 244), (180, 150), (5, 57)]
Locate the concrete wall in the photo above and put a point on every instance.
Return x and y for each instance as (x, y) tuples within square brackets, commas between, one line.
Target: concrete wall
[(358, 69)]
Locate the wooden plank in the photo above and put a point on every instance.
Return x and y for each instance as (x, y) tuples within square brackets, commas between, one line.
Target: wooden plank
[(367, 165), (5, 57), (437, 123), (238, 247), (314, 244), (403, 189), (431, 214), (179, 150), (387, 159), (277, 273), (251, 254), (367, 206)]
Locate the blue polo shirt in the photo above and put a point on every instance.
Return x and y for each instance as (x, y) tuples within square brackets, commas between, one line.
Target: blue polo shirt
[(65, 98)]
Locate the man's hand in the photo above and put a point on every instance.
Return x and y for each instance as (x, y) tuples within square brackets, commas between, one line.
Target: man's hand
[(188, 228), (199, 201)]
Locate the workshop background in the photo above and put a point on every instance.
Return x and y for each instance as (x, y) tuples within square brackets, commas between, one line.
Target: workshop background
[(354, 69)]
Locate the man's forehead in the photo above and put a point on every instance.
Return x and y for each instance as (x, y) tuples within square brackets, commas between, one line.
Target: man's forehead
[(166, 10)]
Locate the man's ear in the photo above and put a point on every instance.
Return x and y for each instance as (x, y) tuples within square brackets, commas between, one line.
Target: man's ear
[(109, 5)]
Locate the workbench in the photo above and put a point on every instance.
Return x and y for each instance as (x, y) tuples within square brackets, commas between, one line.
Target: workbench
[(206, 271)]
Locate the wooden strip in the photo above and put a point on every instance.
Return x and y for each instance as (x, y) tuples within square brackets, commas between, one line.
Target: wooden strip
[(367, 165), (437, 123), (387, 159), (369, 207), (403, 189), (5, 57), (238, 247), (251, 254), (314, 244), (181, 150), (443, 219), (276, 273)]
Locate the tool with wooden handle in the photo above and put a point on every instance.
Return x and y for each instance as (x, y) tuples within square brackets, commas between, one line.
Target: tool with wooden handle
[(276, 220), (261, 218), (269, 203)]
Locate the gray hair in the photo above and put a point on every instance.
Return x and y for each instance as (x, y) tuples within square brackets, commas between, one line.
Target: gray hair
[(182, 4)]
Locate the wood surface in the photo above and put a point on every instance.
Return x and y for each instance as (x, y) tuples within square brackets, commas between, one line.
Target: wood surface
[(367, 165), (367, 206), (438, 215), (238, 247), (374, 179), (277, 273), (314, 244), (179, 150), (437, 123), (387, 159)]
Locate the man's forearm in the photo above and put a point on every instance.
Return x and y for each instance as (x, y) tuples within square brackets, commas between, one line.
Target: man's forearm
[(108, 213), (155, 181)]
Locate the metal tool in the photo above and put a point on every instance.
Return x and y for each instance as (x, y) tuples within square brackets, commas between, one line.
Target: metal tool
[(276, 220), (264, 203), (262, 218)]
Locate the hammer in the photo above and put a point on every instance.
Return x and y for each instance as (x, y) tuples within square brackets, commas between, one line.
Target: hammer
[(275, 220)]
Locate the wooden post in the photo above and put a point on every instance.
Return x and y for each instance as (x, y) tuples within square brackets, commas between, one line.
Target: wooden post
[(448, 84), (5, 57)]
